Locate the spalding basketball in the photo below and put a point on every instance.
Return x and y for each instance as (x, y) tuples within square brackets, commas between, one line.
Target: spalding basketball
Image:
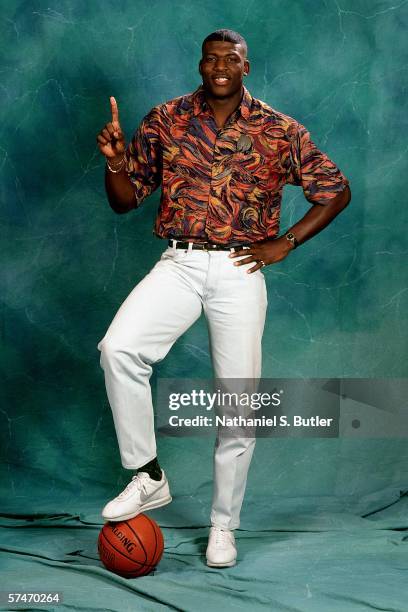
[(131, 548)]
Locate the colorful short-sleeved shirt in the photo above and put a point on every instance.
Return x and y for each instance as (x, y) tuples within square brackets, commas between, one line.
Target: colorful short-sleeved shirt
[(224, 185)]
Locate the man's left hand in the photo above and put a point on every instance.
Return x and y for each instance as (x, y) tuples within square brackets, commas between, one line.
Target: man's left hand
[(263, 253)]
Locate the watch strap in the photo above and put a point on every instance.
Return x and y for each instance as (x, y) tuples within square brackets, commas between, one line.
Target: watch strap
[(290, 237)]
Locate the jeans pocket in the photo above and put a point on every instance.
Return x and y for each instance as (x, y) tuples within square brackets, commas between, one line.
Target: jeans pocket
[(173, 254), (168, 253)]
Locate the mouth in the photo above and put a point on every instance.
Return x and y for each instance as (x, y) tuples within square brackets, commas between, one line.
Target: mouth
[(221, 80)]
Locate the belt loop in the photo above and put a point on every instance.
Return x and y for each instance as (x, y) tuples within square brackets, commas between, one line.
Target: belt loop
[(190, 246), (174, 245)]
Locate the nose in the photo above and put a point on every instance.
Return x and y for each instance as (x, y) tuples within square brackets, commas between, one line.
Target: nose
[(220, 64)]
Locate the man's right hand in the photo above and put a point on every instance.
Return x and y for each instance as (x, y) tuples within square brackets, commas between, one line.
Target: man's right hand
[(111, 141)]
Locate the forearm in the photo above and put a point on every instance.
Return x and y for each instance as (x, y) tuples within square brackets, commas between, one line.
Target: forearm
[(120, 191), (272, 251), (318, 217)]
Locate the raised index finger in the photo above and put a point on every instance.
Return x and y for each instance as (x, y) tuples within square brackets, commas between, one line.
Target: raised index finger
[(115, 112)]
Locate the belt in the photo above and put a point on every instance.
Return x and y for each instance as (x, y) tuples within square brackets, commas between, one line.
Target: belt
[(206, 246)]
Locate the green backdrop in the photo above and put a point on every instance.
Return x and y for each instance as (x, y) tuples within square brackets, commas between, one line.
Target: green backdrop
[(337, 305)]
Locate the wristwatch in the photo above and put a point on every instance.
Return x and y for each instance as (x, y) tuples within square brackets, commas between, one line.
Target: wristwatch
[(290, 237)]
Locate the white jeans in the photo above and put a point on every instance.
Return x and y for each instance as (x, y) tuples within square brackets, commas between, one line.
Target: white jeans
[(157, 312)]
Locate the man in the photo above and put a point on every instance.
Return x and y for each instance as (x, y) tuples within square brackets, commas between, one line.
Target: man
[(222, 159)]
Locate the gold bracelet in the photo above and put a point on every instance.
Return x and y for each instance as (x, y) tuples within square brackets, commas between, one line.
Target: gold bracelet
[(118, 168)]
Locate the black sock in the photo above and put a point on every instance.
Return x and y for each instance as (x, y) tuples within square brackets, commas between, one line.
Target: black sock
[(153, 469)]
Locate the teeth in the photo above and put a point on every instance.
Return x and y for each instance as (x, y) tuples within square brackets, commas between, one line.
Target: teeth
[(221, 79)]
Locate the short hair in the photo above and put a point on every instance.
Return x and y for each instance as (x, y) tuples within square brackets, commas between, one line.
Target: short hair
[(226, 36)]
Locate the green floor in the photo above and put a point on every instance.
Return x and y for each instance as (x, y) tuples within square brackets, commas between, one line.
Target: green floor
[(324, 561)]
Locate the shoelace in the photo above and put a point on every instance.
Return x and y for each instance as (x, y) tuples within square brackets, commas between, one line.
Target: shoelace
[(221, 537), (137, 481)]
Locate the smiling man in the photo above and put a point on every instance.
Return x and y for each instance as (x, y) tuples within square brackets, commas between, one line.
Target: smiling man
[(222, 158)]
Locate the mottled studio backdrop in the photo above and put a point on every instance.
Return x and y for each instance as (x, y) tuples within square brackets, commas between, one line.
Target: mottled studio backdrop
[(337, 306)]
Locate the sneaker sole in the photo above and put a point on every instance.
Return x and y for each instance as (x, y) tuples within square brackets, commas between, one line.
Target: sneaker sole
[(229, 564), (150, 506)]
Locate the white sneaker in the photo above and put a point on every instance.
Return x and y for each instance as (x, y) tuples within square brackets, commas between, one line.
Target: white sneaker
[(221, 549), (142, 493)]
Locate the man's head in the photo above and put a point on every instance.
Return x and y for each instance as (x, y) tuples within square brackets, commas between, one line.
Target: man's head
[(224, 63)]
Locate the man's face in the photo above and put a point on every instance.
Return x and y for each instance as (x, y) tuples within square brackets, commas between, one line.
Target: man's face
[(222, 67)]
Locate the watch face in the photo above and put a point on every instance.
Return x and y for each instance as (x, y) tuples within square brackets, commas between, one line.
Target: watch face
[(290, 236)]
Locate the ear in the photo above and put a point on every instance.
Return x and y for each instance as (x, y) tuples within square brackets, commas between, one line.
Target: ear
[(247, 67), (199, 67)]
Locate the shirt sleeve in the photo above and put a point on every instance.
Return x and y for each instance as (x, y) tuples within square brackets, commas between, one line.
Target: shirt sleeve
[(320, 179), (143, 157)]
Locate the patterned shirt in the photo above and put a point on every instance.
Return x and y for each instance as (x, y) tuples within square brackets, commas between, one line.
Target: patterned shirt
[(224, 185)]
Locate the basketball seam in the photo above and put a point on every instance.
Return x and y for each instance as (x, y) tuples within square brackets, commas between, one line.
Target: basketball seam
[(155, 537), (121, 553), (140, 541)]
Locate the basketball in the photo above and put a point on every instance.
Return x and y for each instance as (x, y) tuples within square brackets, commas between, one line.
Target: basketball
[(131, 548)]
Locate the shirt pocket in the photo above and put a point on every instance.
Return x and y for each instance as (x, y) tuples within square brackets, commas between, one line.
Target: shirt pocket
[(249, 166)]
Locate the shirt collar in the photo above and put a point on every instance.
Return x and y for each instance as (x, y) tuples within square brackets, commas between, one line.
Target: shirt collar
[(200, 104)]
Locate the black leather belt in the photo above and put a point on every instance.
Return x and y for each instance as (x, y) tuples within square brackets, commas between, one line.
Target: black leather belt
[(206, 246)]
